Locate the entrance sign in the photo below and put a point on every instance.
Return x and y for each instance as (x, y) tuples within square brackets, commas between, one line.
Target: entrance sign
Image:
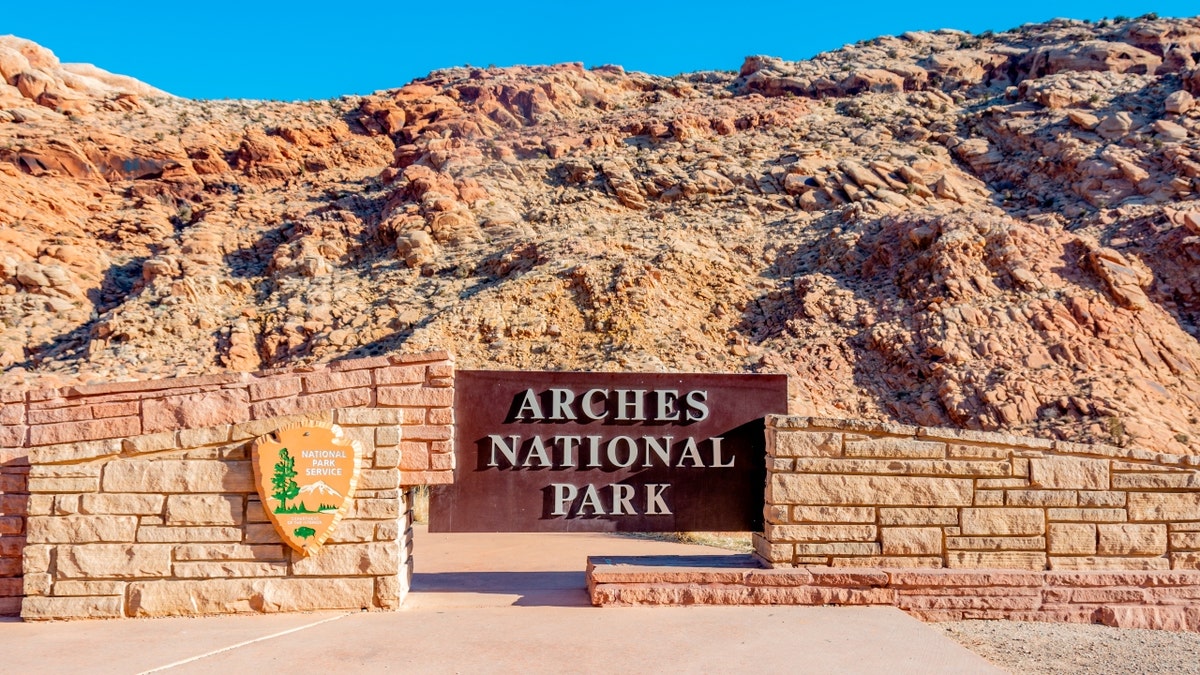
[(306, 475), (626, 452)]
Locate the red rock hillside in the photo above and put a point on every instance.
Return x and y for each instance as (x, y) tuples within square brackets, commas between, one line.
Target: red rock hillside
[(995, 231)]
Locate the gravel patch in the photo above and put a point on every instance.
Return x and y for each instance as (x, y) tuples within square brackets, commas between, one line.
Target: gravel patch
[(1026, 647)]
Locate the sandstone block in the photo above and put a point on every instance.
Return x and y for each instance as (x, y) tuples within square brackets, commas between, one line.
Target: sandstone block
[(36, 558), (372, 559), (258, 427), (996, 543), (195, 438), (51, 485), (437, 416), (294, 595), (370, 417), (911, 540), (918, 516), (1185, 561), (113, 561), (1072, 539), (387, 457), (40, 608), (275, 387), (1185, 541), (400, 375), (390, 591), (87, 430), (229, 568), (178, 476), (311, 403), (1069, 473), (839, 548), (155, 534), (1091, 499), (163, 440), (442, 461), (997, 559), (201, 552), (415, 397), (1087, 515), (89, 470), (414, 456), (81, 529), (832, 514), (1157, 481), (36, 583), (1003, 521), (121, 504), (1041, 497), (1127, 539), (1098, 563), (895, 448), (820, 533), (989, 498), (1164, 505), (11, 524), (806, 444), (74, 452), (379, 479), (206, 409), (327, 381), (204, 510), (387, 435), (103, 587), (175, 598), (351, 531), (865, 490)]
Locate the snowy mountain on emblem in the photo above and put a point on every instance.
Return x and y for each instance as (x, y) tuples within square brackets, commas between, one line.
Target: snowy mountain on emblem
[(319, 488)]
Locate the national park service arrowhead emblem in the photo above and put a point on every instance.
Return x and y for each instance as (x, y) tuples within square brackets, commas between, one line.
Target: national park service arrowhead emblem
[(306, 474)]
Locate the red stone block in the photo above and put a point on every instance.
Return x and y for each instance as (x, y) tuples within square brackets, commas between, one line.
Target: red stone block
[(426, 477), (414, 456), (360, 364), (12, 414), (432, 355), (329, 381), (157, 385), (10, 567), (14, 505), (11, 546), (825, 576), (12, 436), (57, 415), (400, 375), (1153, 618), (415, 397), (345, 398), (967, 602), (11, 586), (10, 483), (12, 524), (115, 409), (426, 433), (89, 430), (196, 410), (275, 387), (937, 578)]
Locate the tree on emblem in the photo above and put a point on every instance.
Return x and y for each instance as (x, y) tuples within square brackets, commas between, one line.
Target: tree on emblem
[(304, 532), (285, 487)]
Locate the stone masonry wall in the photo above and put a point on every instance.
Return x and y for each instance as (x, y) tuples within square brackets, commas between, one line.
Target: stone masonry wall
[(140, 496), (843, 493)]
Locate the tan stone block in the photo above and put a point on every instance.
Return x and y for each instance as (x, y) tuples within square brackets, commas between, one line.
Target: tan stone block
[(965, 451), (1069, 473), (296, 595), (36, 583), (66, 505), (389, 591), (918, 516), (1104, 498), (427, 433), (80, 529), (65, 471), (75, 452), (36, 558), (1164, 505), (807, 444), (894, 448), (229, 568), (370, 417), (205, 409), (996, 543), (1156, 481), (772, 552), (1087, 515), (1003, 521), (178, 476), (176, 598), (39, 608), (53, 485), (864, 490), (996, 559), (172, 535), (258, 427), (1185, 541), (371, 559), (1001, 483), (113, 561), (164, 440), (195, 438), (832, 514), (1041, 497), (387, 531), (911, 540), (839, 548), (820, 533), (1127, 539), (989, 498), (1095, 563), (1185, 561), (204, 510), (924, 562), (387, 457), (379, 479), (122, 504), (1072, 539), (105, 587), (351, 531), (919, 467), (312, 403), (208, 552), (71, 432)]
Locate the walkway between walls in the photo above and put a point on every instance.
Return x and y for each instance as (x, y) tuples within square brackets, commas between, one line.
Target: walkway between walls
[(503, 603)]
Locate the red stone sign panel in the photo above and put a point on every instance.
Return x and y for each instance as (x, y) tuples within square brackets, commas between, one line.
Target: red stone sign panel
[(607, 452)]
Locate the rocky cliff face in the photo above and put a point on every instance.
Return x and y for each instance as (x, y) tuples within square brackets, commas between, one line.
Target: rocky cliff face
[(984, 231)]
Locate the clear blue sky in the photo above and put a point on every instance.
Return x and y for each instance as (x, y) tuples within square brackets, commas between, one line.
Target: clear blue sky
[(302, 50)]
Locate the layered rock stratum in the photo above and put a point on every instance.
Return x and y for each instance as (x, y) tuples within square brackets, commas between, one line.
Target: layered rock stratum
[(995, 231)]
